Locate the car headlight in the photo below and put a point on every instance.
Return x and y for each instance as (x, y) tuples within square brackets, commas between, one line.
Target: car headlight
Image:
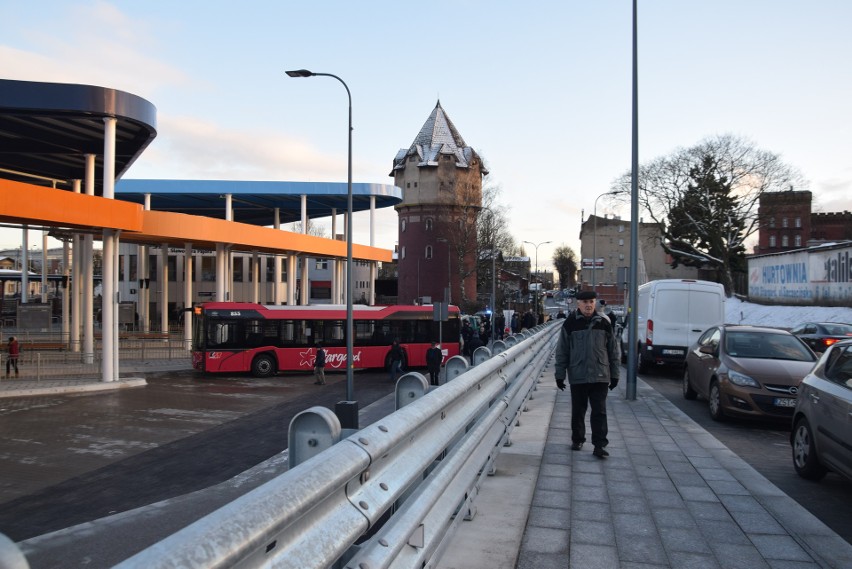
[(742, 380)]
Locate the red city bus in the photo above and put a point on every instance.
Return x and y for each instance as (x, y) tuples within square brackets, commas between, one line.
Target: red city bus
[(240, 337)]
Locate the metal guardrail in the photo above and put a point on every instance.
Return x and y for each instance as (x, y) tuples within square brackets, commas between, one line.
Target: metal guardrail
[(390, 494), (394, 488)]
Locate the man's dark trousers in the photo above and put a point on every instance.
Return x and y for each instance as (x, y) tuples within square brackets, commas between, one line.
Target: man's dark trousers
[(582, 396)]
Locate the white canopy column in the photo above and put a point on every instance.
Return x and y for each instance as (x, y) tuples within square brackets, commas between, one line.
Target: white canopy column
[(187, 296), (336, 288), (87, 265), (25, 264), (291, 278), (164, 287), (304, 289), (220, 272), (144, 280), (277, 293), (74, 283), (109, 325), (374, 266)]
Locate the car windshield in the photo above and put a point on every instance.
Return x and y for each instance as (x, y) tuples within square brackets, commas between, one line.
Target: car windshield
[(766, 345), (838, 329)]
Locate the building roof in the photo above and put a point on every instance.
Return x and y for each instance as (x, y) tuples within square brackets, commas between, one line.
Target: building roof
[(255, 202), (46, 130), (438, 136)]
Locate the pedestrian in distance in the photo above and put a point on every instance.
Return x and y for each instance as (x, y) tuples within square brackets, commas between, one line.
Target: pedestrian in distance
[(587, 350), (13, 351), (395, 360), (466, 336), (515, 323), (319, 365), (434, 358)]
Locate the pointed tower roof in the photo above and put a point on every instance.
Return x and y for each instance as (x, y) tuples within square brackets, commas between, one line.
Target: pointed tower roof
[(438, 136)]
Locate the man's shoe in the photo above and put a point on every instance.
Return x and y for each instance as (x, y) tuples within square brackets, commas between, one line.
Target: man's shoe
[(577, 446), (600, 452)]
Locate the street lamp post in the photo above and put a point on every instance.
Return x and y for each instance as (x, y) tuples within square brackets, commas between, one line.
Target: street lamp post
[(536, 271), (595, 239), (350, 385), (449, 295)]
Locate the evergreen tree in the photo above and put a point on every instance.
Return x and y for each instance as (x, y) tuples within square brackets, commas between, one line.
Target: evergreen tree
[(705, 226)]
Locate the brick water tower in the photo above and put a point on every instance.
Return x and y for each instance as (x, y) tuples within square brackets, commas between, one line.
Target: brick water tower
[(441, 181)]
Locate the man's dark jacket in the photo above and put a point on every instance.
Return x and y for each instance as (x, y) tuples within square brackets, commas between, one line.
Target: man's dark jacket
[(587, 350)]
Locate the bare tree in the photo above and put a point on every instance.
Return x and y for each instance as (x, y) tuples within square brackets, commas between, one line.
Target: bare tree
[(665, 185)]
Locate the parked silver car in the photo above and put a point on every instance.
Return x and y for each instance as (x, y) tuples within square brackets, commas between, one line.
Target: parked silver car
[(822, 421)]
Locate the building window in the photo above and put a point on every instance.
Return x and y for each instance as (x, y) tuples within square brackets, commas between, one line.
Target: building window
[(785, 241), (403, 224), (772, 241), (784, 222), (621, 242), (322, 264), (408, 185), (621, 229), (798, 240), (621, 256), (798, 222), (415, 184), (771, 222), (238, 269), (402, 252), (428, 251), (428, 224)]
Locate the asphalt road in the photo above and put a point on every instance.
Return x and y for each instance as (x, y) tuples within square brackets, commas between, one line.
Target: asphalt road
[(766, 447), (69, 459)]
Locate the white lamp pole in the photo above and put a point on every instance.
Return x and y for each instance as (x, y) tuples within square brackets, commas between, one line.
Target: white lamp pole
[(536, 271)]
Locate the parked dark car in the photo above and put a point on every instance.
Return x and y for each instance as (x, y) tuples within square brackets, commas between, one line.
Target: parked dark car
[(749, 371), (822, 423), (820, 335)]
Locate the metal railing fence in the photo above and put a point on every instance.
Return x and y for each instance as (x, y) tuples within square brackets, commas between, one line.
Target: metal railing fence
[(386, 496)]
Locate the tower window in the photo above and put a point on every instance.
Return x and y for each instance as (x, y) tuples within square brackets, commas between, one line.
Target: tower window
[(798, 240), (402, 252), (798, 222), (402, 224), (785, 241), (772, 241), (772, 222), (784, 222), (428, 251), (428, 224)]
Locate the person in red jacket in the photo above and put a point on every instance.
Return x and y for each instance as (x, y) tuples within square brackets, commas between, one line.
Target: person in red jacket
[(14, 350)]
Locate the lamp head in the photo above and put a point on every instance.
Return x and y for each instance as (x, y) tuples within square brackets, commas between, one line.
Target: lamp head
[(300, 73)]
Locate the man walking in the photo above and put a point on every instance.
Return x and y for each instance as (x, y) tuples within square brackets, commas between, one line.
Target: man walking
[(434, 357), (319, 365), (588, 351), (14, 350)]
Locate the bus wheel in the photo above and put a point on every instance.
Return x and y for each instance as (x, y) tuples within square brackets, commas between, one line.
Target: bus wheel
[(263, 366)]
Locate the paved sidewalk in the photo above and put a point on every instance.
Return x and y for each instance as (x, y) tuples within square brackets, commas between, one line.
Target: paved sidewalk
[(129, 376), (670, 495)]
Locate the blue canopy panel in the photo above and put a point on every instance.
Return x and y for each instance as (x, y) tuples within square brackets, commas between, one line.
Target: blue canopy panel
[(254, 202)]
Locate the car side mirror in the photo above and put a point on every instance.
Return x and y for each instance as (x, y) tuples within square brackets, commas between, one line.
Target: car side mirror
[(708, 349)]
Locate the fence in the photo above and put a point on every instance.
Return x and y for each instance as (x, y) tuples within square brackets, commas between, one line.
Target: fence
[(45, 355), (386, 496)]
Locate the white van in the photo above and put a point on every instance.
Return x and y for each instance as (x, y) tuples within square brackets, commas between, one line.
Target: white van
[(670, 316)]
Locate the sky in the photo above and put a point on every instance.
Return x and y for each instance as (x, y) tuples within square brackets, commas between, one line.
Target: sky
[(542, 91)]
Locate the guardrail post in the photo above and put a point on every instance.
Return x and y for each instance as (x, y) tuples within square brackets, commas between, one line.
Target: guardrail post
[(512, 340), (10, 556), (409, 388), (311, 432), (498, 347), (456, 366), (480, 355)]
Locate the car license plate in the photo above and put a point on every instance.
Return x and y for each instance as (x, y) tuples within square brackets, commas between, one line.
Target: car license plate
[(672, 352), (784, 402)]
